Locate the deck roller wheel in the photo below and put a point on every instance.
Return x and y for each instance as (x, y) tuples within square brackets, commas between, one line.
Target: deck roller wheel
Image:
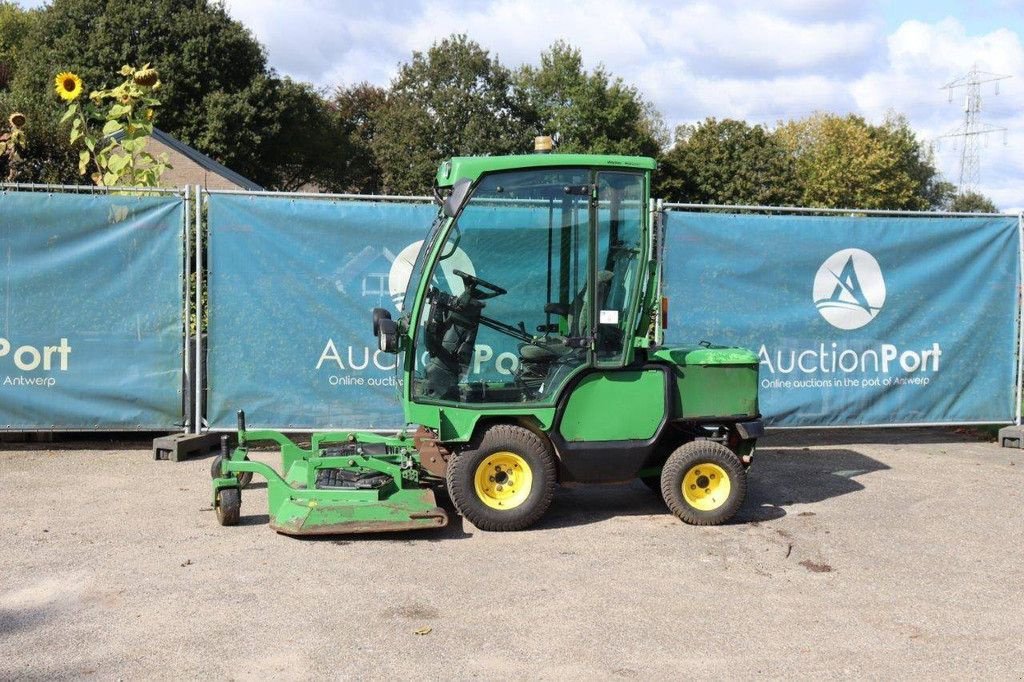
[(229, 506)]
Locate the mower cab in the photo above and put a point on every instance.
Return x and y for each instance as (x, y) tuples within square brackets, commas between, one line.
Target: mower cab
[(530, 343)]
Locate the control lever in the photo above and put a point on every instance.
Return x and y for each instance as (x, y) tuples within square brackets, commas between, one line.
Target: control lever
[(579, 341)]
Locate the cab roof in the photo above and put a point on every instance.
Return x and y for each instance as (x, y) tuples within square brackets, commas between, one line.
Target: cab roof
[(472, 167)]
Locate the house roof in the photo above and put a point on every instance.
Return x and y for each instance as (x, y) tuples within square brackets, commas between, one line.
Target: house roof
[(200, 159)]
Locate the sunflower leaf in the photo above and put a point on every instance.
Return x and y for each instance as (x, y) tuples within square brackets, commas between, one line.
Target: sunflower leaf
[(72, 110), (75, 134), (83, 161), (111, 127), (117, 163)]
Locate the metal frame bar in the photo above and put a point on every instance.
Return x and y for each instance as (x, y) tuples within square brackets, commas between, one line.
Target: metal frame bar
[(1020, 311), (856, 211), (290, 429), (909, 425), (198, 401), (85, 189), (187, 335), (319, 195)]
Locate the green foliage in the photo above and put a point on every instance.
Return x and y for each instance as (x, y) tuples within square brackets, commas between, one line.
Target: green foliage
[(46, 157), (727, 162), (195, 40), (845, 162), (972, 202), (15, 24), (277, 132), (222, 98), (356, 109), (112, 126), (453, 100), (592, 113), (456, 99)]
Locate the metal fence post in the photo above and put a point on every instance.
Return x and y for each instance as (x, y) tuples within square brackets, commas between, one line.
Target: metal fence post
[(199, 383), (188, 384), (1020, 312)]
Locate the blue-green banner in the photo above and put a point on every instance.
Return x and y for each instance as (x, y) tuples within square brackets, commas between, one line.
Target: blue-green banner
[(292, 283), (857, 320), (91, 311)]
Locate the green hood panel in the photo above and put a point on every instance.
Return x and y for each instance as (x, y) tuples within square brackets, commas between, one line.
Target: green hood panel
[(713, 355)]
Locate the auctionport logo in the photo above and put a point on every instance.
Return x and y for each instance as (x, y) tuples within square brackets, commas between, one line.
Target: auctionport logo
[(401, 271), (849, 289)]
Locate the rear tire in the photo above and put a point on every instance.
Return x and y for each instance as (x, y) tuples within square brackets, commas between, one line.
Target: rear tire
[(506, 481), (703, 483)]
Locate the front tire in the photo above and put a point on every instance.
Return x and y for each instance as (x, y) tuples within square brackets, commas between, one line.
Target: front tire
[(504, 483), (703, 483)]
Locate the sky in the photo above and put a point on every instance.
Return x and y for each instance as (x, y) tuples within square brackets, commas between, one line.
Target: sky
[(755, 60)]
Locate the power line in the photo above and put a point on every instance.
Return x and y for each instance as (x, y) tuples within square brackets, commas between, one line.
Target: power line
[(972, 128)]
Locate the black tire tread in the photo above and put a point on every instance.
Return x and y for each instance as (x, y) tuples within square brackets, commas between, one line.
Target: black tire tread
[(502, 437), (680, 461), (229, 506)]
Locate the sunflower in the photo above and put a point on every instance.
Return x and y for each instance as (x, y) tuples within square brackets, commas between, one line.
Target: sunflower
[(146, 77), (17, 119), (69, 86)]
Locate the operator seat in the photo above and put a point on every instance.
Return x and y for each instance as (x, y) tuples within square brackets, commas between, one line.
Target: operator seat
[(550, 348)]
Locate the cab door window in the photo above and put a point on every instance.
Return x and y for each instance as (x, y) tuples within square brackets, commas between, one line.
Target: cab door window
[(620, 228), (506, 318)]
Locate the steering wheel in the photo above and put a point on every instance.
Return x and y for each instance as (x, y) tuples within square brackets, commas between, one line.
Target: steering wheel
[(471, 281)]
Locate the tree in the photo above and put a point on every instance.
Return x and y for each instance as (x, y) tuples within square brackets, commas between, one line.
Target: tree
[(591, 112), (15, 24), (279, 133), (972, 202), (845, 162), (356, 108), (727, 162), (453, 100), (217, 93), (194, 43), (47, 158)]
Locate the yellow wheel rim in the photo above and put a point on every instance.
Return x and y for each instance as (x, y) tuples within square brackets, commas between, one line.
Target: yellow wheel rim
[(503, 480), (706, 486)]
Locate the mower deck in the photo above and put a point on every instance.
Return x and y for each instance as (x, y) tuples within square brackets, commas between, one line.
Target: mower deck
[(362, 483)]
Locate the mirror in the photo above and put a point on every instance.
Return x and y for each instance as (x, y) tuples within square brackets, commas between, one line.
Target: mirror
[(458, 194), (387, 337), (378, 315)]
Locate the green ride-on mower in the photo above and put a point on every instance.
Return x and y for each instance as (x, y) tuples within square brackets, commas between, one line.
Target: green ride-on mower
[(531, 354)]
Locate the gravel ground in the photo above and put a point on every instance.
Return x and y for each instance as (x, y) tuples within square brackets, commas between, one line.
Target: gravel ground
[(868, 554)]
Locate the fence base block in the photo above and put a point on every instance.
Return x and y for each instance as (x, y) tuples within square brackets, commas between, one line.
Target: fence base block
[(1012, 436), (179, 446)]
